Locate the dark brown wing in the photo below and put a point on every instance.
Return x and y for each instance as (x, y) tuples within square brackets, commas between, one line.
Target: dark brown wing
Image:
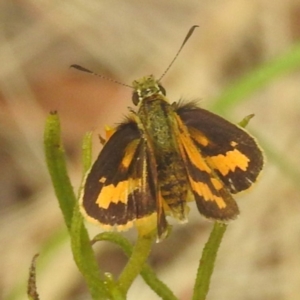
[(232, 153), (212, 197), (117, 189)]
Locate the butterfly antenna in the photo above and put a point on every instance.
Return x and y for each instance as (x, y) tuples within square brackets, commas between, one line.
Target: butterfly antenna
[(175, 57), (80, 68)]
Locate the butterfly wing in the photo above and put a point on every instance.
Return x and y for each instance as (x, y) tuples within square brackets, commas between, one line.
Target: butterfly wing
[(229, 150), (211, 195), (117, 189)]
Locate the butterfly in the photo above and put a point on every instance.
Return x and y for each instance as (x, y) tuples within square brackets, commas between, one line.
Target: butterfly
[(163, 156)]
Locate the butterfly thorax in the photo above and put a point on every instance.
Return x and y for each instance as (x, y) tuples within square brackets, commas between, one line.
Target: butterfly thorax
[(154, 113), (156, 123)]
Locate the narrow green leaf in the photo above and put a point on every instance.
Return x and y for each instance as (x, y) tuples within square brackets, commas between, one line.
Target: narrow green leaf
[(87, 151), (85, 258), (140, 253), (57, 168), (82, 251), (207, 261), (246, 120), (86, 158)]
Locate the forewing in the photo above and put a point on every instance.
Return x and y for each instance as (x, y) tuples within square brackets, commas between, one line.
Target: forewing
[(232, 153), (116, 190), (211, 195)]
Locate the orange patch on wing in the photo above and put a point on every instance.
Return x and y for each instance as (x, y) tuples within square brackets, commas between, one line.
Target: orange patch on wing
[(218, 185), (113, 194), (225, 163), (199, 137), (129, 154), (190, 148), (203, 190), (109, 131), (116, 193)]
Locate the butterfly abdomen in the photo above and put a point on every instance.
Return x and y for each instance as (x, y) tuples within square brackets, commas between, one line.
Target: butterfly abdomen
[(158, 129)]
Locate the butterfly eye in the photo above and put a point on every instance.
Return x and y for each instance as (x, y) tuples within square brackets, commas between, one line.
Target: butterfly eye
[(162, 89), (135, 98)]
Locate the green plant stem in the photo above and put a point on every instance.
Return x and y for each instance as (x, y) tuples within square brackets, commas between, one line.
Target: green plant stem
[(86, 158), (85, 259), (136, 261), (207, 261), (56, 163), (147, 273), (87, 151), (82, 251)]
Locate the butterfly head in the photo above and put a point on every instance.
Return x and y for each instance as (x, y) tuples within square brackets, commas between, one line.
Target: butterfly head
[(145, 88)]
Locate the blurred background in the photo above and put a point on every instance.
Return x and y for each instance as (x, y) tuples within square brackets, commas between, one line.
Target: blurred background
[(125, 40)]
